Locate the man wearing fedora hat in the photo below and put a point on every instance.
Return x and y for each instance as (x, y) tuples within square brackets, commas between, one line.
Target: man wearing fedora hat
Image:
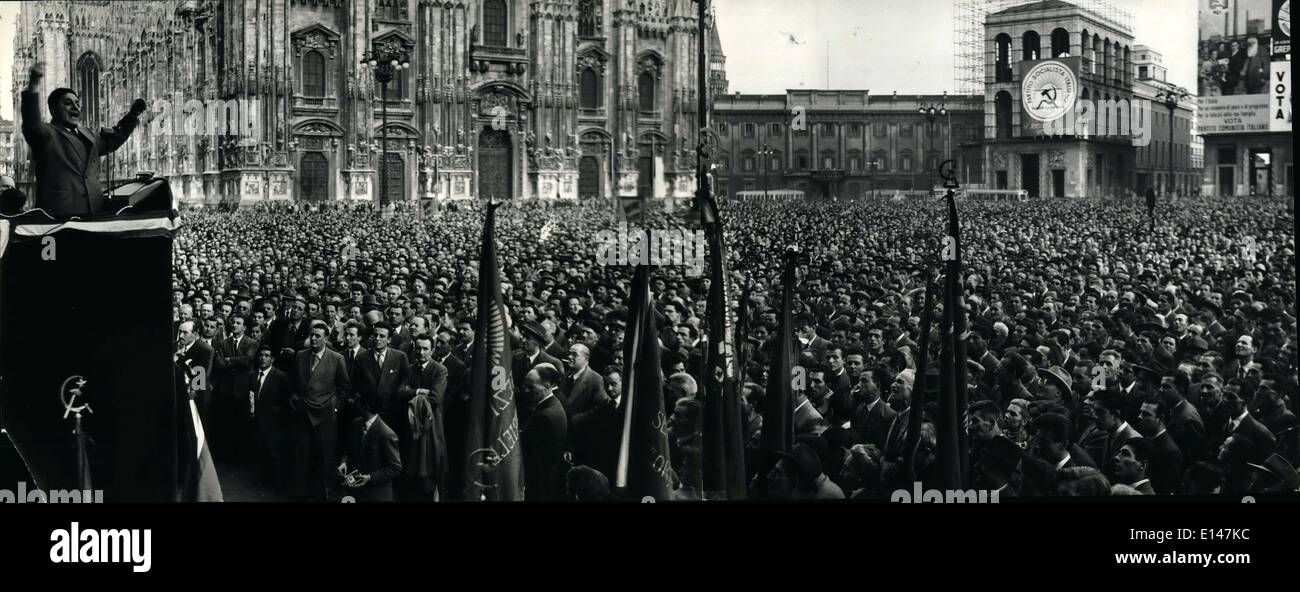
[(1055, 385), (534, 337)]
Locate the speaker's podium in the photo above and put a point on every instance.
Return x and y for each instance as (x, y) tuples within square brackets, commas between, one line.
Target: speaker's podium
[(86, 328)]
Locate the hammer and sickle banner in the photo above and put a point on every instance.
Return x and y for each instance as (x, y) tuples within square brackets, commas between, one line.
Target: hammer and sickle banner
[(493, 418)]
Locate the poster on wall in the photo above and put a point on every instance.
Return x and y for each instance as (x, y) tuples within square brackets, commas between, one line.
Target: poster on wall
[(1238, 79), (1232, 115), (1279, 108), (1281, 30), (1236, 47)]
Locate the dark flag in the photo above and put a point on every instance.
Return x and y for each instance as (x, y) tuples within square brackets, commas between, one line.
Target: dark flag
[(643, 466), (724, 462), (494, 463), (917, 406), (778, 413), (952, 454)]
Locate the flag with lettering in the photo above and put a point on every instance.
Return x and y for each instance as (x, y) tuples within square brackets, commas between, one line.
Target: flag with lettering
[(494, 463), (643, 462)]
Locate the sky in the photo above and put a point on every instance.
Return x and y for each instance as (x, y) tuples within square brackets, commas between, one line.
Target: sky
[(8, 24), (880, 45), (894, 45)]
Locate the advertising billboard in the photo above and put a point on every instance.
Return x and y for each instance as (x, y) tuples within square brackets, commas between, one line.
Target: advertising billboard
[(1237, 80)]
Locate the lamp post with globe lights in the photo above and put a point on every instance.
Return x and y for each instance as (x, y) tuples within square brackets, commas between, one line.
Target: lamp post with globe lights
[(386, 60), (1171, 97), (931, 113)]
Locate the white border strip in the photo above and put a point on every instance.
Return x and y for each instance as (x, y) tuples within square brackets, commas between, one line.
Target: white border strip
[(98, 226)]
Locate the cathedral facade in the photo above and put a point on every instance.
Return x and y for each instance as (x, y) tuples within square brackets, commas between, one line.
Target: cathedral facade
[(512, 99)]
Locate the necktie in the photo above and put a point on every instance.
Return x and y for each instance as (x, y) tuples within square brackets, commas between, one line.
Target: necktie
[(252, 398), (314, 360), (381, 360)]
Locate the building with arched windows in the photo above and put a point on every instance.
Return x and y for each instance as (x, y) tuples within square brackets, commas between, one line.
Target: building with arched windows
[(1091, 153), (503, 98)]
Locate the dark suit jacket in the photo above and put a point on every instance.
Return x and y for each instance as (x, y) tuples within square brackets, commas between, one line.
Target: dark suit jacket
[(457, 374), (522, 365), (321, 390), (66, 163), (375, 454), (271, 398), (433, 377), (386, 382), (896, 439), (1188, 431), (283, 335), (585, 392), (543, 435), (350, 361), (817, 348), (1260, 435), (232, 364), (199, 355), (1279, 421), (873, 426), (1166, 469), (1115, 441)]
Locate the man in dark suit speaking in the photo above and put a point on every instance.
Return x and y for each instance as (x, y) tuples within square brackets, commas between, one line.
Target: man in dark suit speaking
[(65, 156)]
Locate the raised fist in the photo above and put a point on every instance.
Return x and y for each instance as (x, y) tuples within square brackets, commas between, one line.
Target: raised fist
[(138, 107), (37, 73)]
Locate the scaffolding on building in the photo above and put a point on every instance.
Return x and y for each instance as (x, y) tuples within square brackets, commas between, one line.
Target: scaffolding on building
[(968, 34)]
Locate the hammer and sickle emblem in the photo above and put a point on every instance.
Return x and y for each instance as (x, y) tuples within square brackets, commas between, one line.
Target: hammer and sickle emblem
[(69, 395), (487, 459), (1049, 97)]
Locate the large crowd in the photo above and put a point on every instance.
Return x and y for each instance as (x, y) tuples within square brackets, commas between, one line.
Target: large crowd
[(1107, 355)]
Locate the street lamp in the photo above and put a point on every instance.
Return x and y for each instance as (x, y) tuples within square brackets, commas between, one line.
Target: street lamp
[(386, 59), (765, 159), (931, 112), (1171, 97)]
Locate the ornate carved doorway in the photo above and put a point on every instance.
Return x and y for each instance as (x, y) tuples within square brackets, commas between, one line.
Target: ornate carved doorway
[(313, 176), (588, 178), (494, 170), (394, 188)]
